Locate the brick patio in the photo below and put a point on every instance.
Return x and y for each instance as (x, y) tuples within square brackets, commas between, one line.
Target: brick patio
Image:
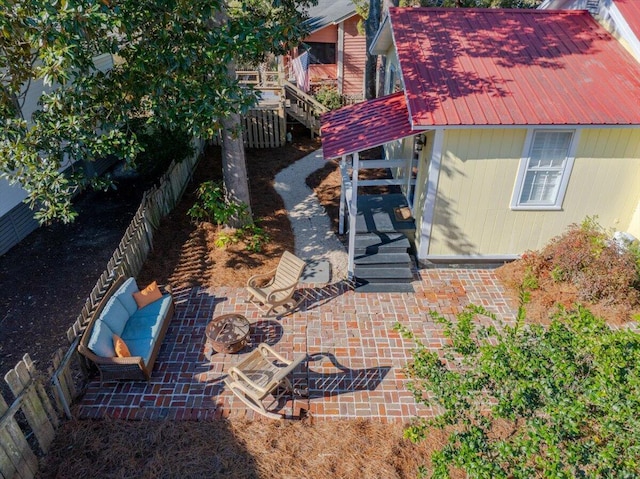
[(355, 358)]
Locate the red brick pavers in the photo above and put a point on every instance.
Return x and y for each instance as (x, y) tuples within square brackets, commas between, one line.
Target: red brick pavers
[(356, 360)]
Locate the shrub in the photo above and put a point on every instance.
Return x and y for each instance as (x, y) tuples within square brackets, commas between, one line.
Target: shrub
[(160, 147), (587, 257), (527, 401), (212, 205), (329, 97)]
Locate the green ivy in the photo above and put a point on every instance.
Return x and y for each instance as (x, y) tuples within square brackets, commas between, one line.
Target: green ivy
[(569, 395)]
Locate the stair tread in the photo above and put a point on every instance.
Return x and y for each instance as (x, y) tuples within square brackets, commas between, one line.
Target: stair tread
[(384, 273), (372, 245), (385, 288), (384, 258)]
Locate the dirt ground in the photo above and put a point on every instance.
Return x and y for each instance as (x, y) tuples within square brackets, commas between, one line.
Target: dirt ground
[(45, 279)]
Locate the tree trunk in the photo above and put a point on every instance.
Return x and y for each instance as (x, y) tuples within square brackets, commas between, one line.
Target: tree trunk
[(371, 27), (234, 165)]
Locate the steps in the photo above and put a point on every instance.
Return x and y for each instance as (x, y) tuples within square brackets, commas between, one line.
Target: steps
[(382, 263), (303, 107)]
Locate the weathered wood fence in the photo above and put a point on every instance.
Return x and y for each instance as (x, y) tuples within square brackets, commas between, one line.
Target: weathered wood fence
[(40, 401)]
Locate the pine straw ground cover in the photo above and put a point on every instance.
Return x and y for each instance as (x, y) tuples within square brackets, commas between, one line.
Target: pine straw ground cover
[(234, 449)]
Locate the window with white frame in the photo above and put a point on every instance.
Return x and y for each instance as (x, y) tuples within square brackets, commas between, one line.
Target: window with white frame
[(544, 169)]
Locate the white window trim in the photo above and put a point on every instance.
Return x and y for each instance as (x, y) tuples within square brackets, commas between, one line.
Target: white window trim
[(566, 173)]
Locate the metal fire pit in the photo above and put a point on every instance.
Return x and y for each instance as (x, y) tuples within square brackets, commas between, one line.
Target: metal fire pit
[(226, 334)]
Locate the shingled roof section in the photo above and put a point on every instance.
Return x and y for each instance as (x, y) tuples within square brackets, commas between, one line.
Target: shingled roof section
[(513, 67), (365, 125)]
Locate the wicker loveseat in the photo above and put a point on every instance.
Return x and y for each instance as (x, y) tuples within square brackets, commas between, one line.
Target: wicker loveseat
[(141, 329)]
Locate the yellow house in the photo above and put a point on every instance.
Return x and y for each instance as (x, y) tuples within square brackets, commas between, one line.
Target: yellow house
[(509, 125)]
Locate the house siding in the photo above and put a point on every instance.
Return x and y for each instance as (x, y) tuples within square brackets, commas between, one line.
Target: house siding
[(355, 57), (479, 167), (328, 34)]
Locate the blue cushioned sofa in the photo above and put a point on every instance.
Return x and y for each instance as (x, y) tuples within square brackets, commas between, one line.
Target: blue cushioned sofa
[(141, 329)]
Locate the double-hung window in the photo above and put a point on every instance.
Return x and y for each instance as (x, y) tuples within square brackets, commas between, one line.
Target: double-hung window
[(544, 169)]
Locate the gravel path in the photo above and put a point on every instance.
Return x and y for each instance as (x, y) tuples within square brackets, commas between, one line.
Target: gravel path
[(314, 239)]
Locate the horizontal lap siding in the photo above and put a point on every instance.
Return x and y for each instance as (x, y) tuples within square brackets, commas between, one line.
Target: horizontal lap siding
[(16, 225), (328, 34), (355, 57), (478, 174)]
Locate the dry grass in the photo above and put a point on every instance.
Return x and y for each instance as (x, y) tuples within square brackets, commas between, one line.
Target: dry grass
[(234, 449)]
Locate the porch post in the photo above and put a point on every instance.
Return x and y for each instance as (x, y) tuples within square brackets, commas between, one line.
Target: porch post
[(428, 213), (408, 171), (353, 212), (343, 163)]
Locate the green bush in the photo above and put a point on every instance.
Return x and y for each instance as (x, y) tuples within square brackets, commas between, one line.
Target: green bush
[(329, 97), (212, 205), (565, 398), (160, 147)]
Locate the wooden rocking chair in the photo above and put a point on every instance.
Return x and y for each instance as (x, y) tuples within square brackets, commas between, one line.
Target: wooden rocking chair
[(259, 376), (280, 286)]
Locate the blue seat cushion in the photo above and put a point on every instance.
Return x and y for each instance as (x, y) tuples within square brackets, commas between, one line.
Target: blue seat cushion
[(125, 294), (144, 325), (101, 340), (115, 315)]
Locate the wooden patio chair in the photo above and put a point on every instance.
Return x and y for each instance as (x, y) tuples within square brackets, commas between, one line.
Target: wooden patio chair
[(281, 284), (264, 372)]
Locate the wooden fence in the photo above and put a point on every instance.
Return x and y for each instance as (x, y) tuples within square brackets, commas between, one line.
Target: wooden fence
[(263, 127), (28, 424)]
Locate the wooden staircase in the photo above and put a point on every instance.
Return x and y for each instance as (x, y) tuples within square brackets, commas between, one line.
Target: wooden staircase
[(382, 263), (303, 107)]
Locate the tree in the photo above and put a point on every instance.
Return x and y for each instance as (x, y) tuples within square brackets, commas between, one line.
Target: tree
[(530, 401), (372, 24), (173, 69)]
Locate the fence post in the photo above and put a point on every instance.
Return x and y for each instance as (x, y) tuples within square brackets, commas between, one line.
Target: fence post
[(36, 406), (16, 457)]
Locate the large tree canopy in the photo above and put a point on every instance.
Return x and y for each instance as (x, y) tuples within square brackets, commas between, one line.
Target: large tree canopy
[(172, 61)]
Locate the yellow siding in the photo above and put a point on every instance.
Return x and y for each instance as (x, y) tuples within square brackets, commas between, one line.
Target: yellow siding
[(478, 173)]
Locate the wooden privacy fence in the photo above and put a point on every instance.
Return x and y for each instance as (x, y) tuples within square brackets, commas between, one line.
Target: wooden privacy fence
[(263, 127), (28, 424)]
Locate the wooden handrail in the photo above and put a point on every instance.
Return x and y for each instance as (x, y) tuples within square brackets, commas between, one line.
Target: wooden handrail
[(303, 96)]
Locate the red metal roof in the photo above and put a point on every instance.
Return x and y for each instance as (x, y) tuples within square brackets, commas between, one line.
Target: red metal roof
[(630, 10), (513, 67), (365, 125)]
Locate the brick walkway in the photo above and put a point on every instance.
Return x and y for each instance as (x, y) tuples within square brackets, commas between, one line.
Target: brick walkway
[(355, 358)]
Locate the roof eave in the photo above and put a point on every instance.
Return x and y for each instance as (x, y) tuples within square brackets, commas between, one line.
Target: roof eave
[(383, 38)]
